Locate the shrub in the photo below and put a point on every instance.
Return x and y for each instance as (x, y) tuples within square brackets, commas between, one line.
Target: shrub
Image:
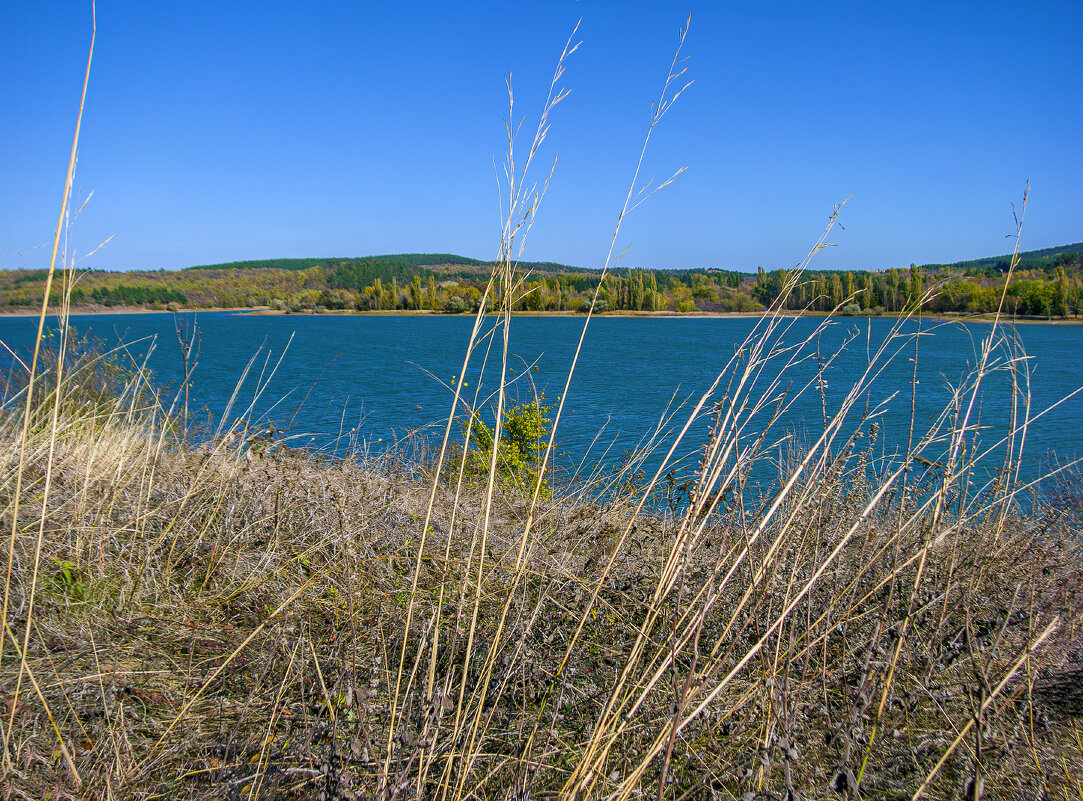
[(739, 301), (522, 443), (457, 304), (601, 306)]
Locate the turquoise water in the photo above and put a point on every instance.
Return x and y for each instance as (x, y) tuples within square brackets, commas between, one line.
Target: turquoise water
[(374, 379)]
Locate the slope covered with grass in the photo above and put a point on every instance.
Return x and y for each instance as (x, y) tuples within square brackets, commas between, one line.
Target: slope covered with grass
[(239, 619)]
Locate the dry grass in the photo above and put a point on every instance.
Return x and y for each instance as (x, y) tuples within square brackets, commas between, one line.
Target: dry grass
[(241, 621), (213, 624)]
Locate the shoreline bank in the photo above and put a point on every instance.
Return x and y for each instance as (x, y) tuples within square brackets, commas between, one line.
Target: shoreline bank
[(665, 315)]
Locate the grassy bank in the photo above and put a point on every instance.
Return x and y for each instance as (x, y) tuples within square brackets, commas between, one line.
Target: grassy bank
[(242, 620)]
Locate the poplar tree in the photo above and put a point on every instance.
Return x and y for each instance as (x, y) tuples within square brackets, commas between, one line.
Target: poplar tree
[(416, 293), (914, 286), (1059, 305), (893, 281)]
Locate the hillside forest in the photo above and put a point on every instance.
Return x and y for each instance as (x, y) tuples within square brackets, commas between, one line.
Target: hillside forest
[(1046, 284)]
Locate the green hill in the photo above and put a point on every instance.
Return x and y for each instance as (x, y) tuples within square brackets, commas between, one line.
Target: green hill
[(1047, 259), (417, 260), (410, 259), (361, 271)]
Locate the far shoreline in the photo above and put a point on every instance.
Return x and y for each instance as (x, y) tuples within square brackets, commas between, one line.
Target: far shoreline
[(671, 315)]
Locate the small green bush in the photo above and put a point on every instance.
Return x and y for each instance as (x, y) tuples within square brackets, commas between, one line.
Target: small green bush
[(601, 306), (522, 444), (457, 304)]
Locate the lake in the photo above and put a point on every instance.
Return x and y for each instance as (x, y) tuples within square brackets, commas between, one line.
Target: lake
[(378, 378)]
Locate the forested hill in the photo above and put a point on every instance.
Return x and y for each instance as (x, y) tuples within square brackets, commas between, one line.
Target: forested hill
[(395, 264), (406, 265), (1046, 283), (403, 259), (1045, 259), (359, 272)]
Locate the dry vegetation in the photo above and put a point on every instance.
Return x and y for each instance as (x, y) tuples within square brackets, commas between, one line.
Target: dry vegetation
[(239, 620)]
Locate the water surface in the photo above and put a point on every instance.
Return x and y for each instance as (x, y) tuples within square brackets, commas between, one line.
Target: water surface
[(377, 378)]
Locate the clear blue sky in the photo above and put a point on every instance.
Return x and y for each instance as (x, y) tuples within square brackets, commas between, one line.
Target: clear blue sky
[(218, 131)]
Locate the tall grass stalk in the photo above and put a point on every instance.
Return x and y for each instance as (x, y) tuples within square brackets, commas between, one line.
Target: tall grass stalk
[(5, 631)]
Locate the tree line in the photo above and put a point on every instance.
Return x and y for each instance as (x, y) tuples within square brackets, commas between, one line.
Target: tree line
[(1050, 286)]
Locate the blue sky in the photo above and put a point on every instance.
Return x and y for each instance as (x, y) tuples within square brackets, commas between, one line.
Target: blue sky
[(233, 130)]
